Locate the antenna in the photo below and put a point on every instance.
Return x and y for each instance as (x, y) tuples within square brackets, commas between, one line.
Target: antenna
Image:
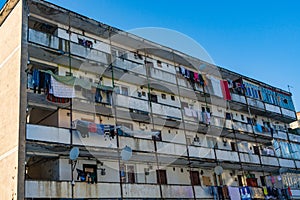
[(289, 88)]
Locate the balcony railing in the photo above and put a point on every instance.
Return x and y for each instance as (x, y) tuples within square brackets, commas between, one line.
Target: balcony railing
[(227, 155), (256, 103), (249, 158), (201, 152), (141, 190), (171, 148), (267, 160), (162, 75), (133, 103), (286, 163), (165, 110), (273, 108), (62, 135), (130, 66), (52, 189), (63, 190), (238, 98)]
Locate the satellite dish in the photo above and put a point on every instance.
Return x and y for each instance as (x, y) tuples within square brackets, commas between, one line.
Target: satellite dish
[(218, 170), (74, 153), (126, 153)]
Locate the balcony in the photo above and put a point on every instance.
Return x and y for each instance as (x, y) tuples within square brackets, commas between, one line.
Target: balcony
[(165, 110), (130, 66), (294, 138), (238, 98), (286, 163), (249, 158), (273, 108), (289, 113), (60, 45), (62, 136), (171, 149), (256, 106), (267, 160), (174, 191), (242, 127), (201, 152), (131, 102), (137, 144), (162, 75), (43, 39), (203, 192), (280, 135), (52, 189), (141, 191), (227, 155)]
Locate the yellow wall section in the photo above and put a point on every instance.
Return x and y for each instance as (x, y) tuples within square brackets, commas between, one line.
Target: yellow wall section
[(10, 58)]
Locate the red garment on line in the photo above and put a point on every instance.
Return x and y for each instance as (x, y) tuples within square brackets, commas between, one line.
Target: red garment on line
[(225, 90)]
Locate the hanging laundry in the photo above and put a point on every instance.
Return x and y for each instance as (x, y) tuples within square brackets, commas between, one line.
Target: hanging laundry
[(225, 90), (215, 85), (92, 128), (53, 99), (182, 70), (61, 90), (258, 128), (245, 193), (234, 193), (98, 96), (196, 77), (201, 80), (208, 117)]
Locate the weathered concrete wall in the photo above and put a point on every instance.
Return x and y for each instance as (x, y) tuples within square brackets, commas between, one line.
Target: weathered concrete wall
[(10, 58)]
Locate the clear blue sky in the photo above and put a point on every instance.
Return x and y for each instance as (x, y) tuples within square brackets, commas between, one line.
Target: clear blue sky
[(259, 39)]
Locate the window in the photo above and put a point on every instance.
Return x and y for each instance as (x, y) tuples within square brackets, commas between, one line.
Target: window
[(121, 90), (158, 137), (195, 179), (159, 63), (233, 146), (172, 98), (153, 98), (143, 93), (42, 26), (228, 116), (163, 96), (161, 176), (256, 150), (127, 176), (91, 173), (242, 117)]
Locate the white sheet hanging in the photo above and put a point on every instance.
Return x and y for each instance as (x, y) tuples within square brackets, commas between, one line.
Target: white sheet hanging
[(61, 90)]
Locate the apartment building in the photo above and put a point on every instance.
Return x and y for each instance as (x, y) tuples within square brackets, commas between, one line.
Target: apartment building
[(92, 112)]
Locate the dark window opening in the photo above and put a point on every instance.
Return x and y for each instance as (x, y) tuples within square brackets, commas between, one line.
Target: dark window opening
[(233, 146), (195, 178), (161, 177), (163, 96), (173, 98), (90, 173), (42, 26), (153, 98), (256, 150)]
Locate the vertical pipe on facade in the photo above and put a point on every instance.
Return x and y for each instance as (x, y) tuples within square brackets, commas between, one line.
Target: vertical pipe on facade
[(113, 101), (152, 121), (184, 130), (71, 102)]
